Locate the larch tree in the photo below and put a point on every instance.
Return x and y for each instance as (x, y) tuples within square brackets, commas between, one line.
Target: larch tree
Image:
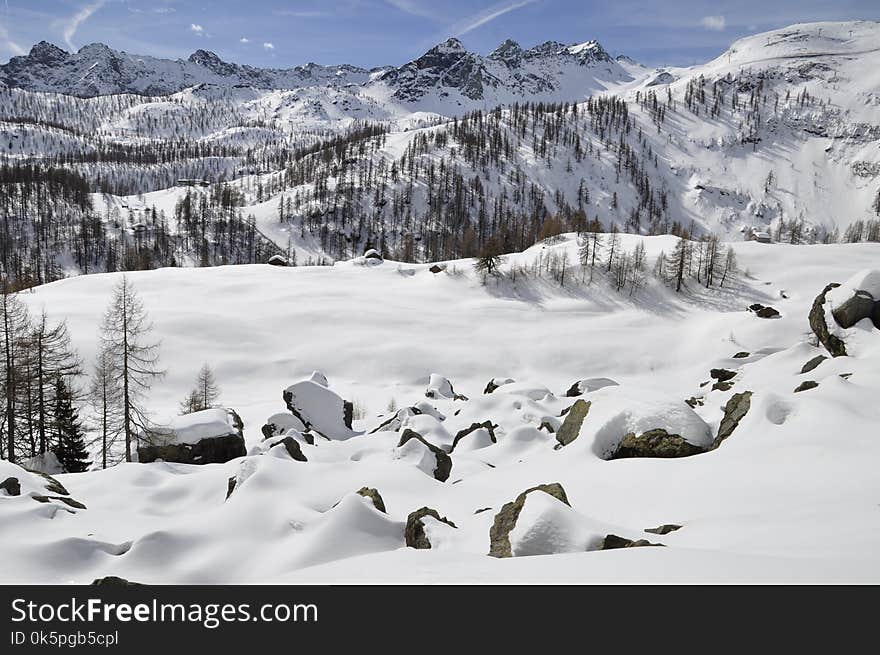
[(105, 397), (134, 359), (205, 393), (14, 323)]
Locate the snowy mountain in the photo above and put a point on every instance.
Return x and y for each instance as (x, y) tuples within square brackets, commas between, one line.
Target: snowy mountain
[(431, 159)]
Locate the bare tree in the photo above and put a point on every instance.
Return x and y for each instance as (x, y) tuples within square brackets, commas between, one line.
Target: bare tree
[(730, 265), (105, 396), (134, 360), (14, 322), (204, 395)]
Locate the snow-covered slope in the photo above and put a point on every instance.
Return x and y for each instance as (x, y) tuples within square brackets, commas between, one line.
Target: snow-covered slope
[(789, 496)]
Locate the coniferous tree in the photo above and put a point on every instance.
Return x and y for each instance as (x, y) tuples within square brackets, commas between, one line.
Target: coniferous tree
[(205, 393), (105, 396), (14, 323), (70, 447)]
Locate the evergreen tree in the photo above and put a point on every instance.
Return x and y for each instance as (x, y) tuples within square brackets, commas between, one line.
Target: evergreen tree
[(70, 448), (205, 393)]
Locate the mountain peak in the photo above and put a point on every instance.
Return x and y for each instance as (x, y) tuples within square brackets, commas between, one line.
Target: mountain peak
[(450, 45), (47, 53), (205, 58), (510, 51)]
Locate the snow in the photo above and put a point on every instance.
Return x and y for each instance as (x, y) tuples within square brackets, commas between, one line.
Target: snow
[(790, 496), (319, 408)]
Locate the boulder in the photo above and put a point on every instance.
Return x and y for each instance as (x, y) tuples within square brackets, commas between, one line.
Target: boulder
[(813, 363), (494, 383), (832, 343), (52, 484), (292, 447), (374, 496), (666, 528), (11, 486), (722, 374), (395, 422), (574, 419), (443, 466), (212, 436), (70, 502), (741, 355), (734, 411), (612, 542), (806, 385), (372, 253), (655, 443), (858, 307), (230, 486), (277, 260), (320, 409), (279, 424), (581, 387), (764, 311), (505, 520), (440, 388), (485, 425), (437, 268), (415, 533), (875, 315)]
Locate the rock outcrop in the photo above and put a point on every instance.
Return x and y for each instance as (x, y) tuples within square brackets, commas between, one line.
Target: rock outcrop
[(443, 466), (320, 409), (415, 533), (574, 419), (813, 363), (655, 443), (11, 486), (734, 411), (212, 436), (485, 425), (505, 519), (374, 496), (832, 343), (612, 542)]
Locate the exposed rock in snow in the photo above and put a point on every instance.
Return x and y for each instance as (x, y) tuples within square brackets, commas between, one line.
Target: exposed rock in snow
[(813, 363), (441, 466), (655, 443), (320, 409), (734, 412), (480, 435), (506, 519), (420, 525), (613, 541), (818, 323), (277, 260), (373, 254), (528, 390), (11, 486), (581, 387), (280, 424), (806, 385), (856, 299), (857, 307), (115, 581), (494, 383), (574, 419), (764, 311), (666, 528), (440, 387), (291, 447), (206, 437), (374, 496)]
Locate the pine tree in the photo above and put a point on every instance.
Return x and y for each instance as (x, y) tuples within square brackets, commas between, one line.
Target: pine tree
[(134, 360), (70, 448)]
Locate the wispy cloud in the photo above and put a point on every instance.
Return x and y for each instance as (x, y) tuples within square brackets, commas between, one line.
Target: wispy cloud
[(412, 7), (489, 14), (80, 17), (8, 44), (714, 23), (268, 46), (198, 29)]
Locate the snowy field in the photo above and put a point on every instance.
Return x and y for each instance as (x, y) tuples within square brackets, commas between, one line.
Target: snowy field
[(792, 495)]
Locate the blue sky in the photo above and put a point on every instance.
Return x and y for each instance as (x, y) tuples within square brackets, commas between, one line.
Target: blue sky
[(379, 32)]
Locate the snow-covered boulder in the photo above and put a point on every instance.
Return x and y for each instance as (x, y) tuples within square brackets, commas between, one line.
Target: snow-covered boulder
[(374, 496), (281, 424), (819, 324), (320, 409), (506, 519), (856, 299), (440, 388), (581, 387), (425, 527), (45, 463), (529, 390), (207, 437), (494, 383), (373, 254), (427, 457), (479, 435), (277, 260)]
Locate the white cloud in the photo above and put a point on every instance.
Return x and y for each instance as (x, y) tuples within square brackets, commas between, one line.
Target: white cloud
[(244, 39), (78, 19), (268, 46), (195, 27), (715, 23), (487, 16)]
